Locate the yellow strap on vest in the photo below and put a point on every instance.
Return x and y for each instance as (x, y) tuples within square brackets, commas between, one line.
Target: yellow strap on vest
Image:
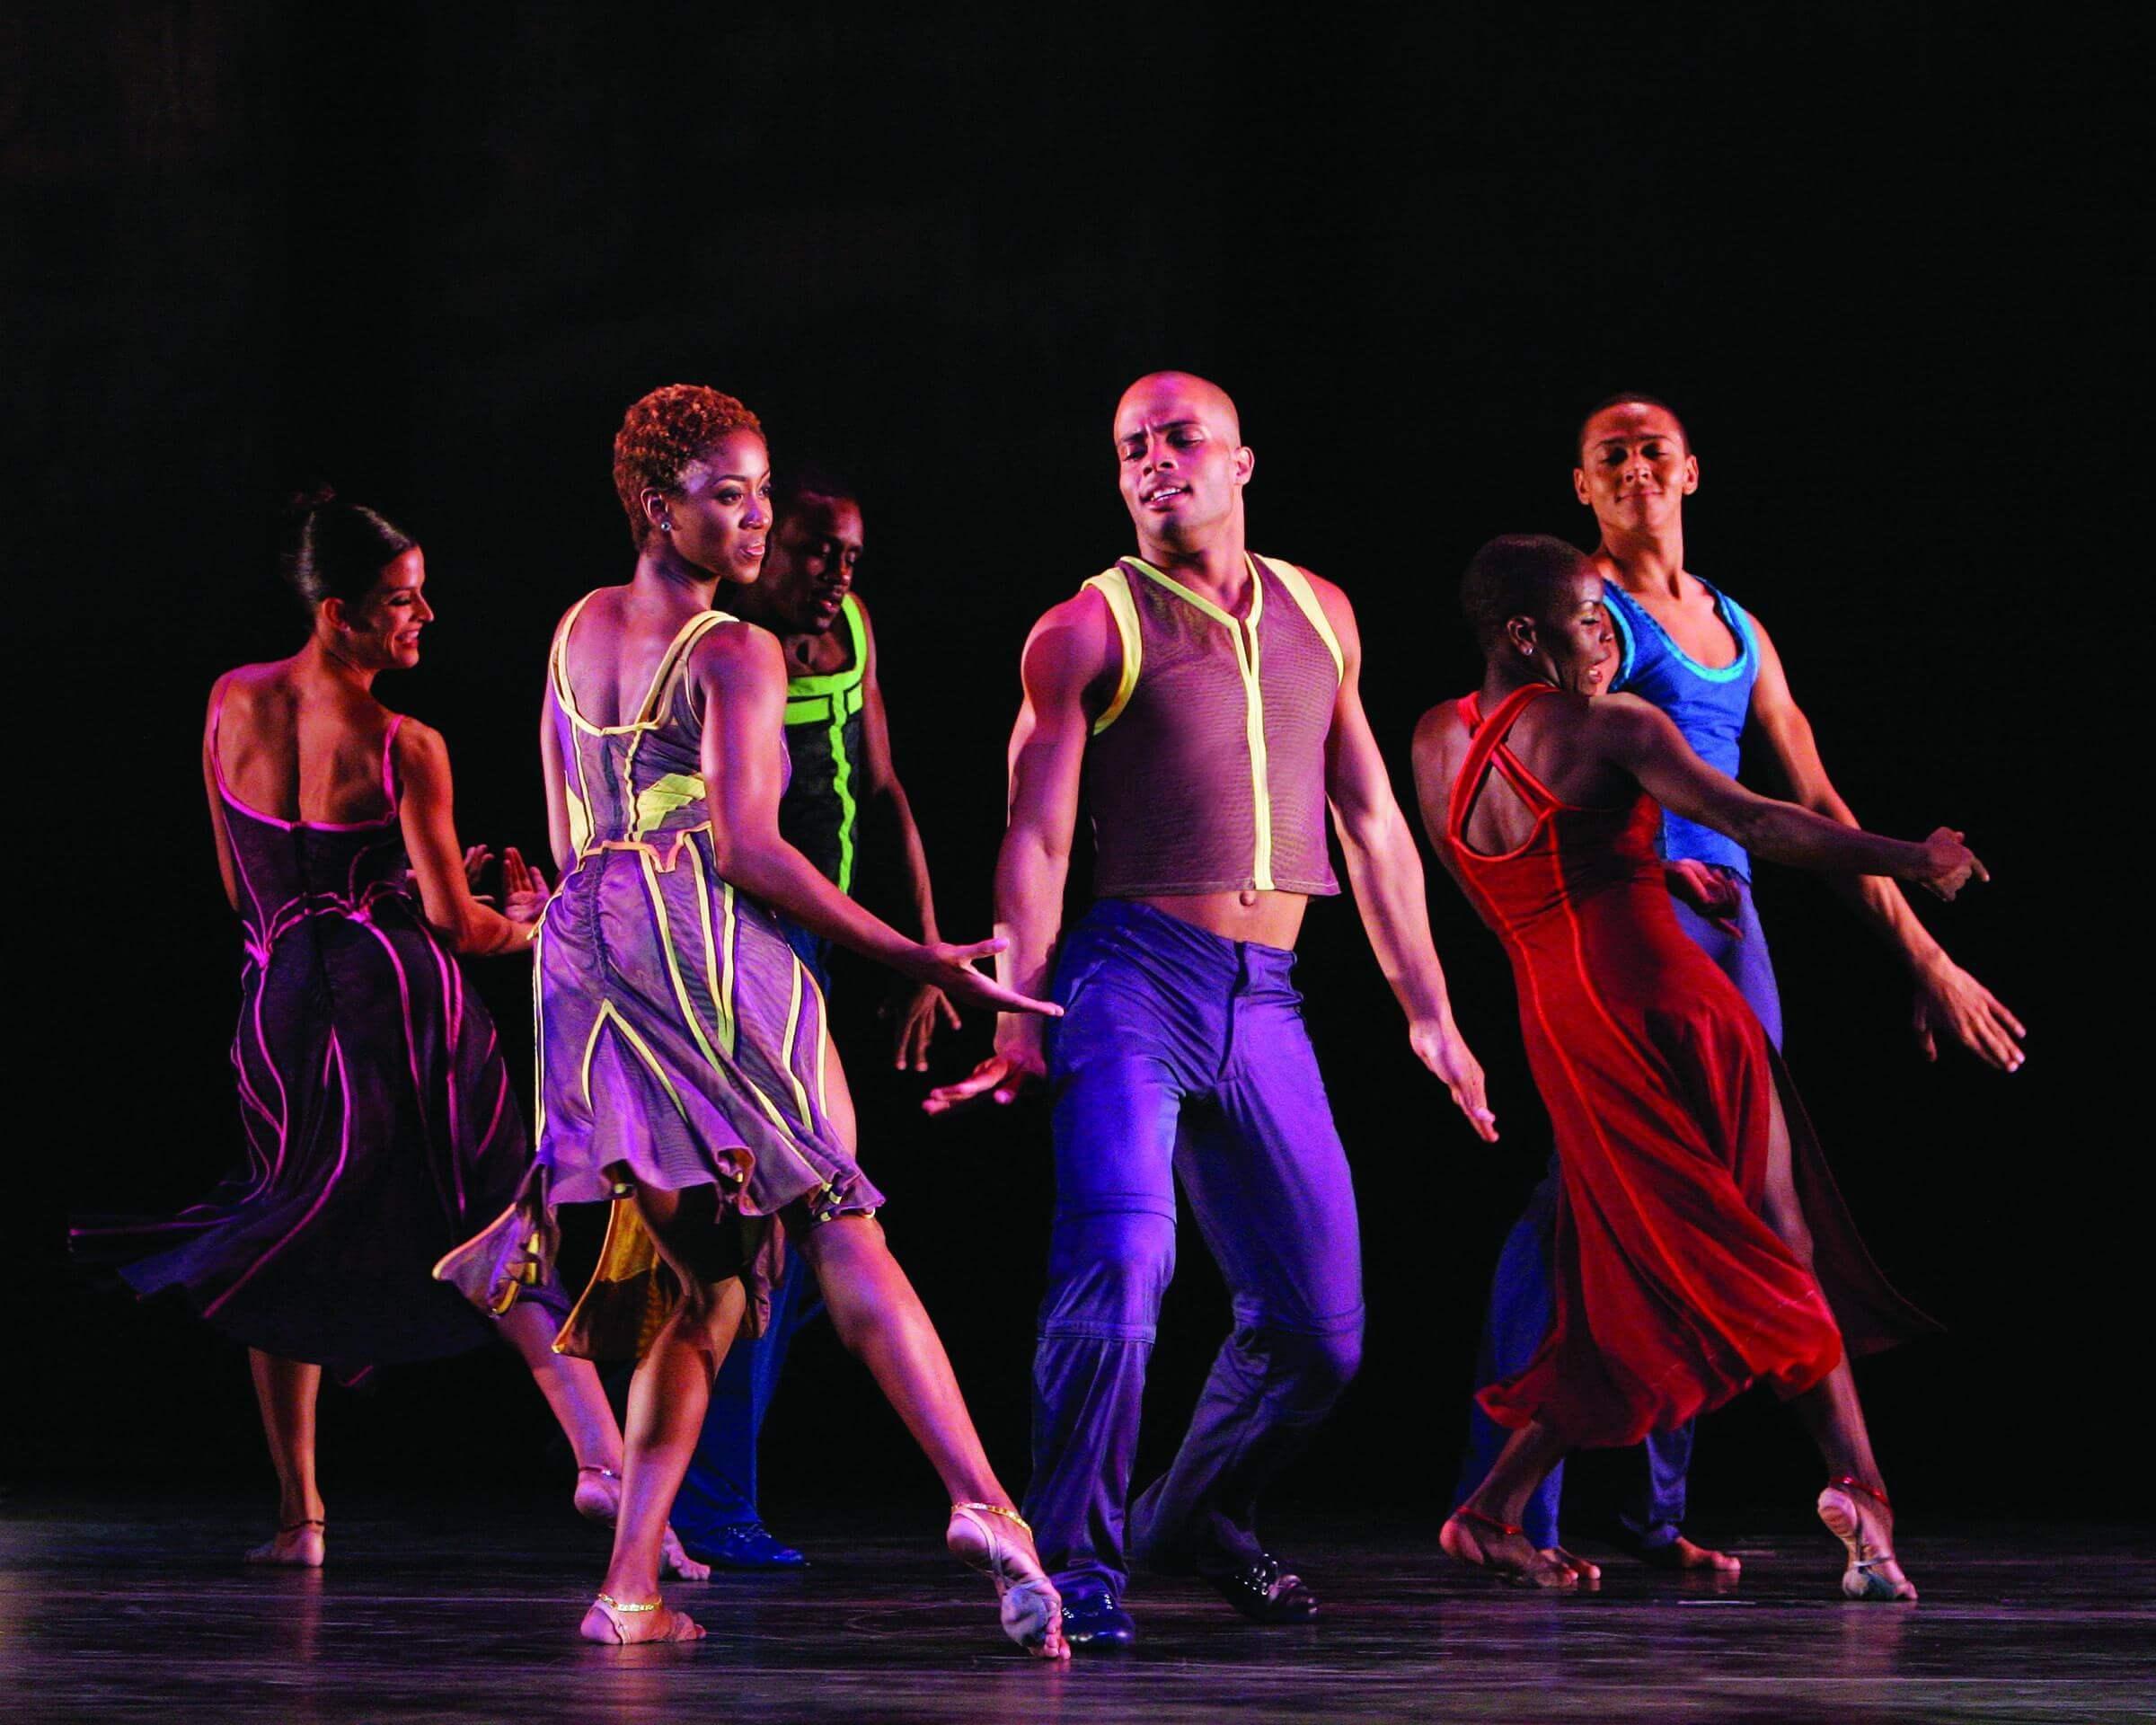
[(1114, 586), (1305, 596)]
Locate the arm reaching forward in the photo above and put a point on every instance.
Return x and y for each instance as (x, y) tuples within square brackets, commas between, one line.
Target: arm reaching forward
[(1948, 998), (740, 674), (1644, 742)]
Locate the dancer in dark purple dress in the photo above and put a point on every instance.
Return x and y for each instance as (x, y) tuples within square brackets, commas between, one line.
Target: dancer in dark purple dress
[(379, 1123)]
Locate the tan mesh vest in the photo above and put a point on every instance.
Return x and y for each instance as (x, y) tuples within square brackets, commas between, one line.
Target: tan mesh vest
[(1206, 770)]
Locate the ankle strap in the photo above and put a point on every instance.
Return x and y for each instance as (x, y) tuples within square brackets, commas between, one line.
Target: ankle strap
[(1488, 1521), (312, 1521), (1003, 1510), (612, 1604), (1871, 1491)]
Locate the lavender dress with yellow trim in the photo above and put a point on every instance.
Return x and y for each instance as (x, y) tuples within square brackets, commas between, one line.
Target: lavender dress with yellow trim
[(681, 1041), (379, 1123)]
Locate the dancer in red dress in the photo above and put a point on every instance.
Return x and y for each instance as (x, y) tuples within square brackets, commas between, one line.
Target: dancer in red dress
[(1699, 1249)]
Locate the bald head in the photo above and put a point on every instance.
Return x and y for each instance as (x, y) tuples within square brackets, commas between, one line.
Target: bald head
[(1181, 393)]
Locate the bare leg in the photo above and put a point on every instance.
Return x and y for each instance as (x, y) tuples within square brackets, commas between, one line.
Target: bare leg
[(1834, 1417), (882, 1321), (287, 1390), (1484, 1531), (666, 1401), (571, 1387)]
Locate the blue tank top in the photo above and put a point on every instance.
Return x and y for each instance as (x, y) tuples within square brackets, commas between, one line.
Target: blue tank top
[(1709, 705)]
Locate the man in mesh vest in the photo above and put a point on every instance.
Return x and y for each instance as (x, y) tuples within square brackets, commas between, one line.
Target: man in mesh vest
[(1210, 699)]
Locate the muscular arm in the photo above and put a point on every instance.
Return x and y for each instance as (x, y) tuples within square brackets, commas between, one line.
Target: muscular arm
[(426, 814), (1644, 741), (1949, 998), (740, 675), (1384, 870)]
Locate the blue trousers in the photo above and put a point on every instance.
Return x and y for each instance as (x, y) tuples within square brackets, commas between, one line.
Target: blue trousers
[(720, 1489), (1521, 1305), (1182, 1056)]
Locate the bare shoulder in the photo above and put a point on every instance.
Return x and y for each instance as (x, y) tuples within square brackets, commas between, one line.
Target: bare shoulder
[(1333, 598), (1440, 740), (420, 745), (1080, 625), (735, 648), (1617, 718)]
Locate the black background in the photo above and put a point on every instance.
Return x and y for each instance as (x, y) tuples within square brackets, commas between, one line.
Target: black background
[(1878, 255)]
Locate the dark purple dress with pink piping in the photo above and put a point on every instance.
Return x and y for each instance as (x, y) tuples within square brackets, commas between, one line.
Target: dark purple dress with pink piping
[(379, 1125)]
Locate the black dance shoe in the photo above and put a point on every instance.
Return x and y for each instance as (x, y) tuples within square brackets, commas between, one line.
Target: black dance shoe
[(1096, 1622), (1265, 1592), (747, 1545)]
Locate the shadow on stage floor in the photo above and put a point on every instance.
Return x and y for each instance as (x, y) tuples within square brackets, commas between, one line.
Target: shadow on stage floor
[(467, 1612)]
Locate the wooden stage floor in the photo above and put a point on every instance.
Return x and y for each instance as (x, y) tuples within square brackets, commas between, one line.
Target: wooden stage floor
[(467, 1613)]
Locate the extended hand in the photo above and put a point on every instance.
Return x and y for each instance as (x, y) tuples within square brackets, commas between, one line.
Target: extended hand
[(476, 858), (1948, 999), (1948, 864), (1019, 1061), (917, 1011), (939, 964), (524, 889), (1437, 1044)]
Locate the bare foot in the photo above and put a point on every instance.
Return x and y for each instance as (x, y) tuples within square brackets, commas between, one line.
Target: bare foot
[(612, 1624), (1587, 1573), (1681, 1553), (1485, 1543), (677, 1562), (997, 1541), (598, 1498), (297, 1545), (1863, 1521)]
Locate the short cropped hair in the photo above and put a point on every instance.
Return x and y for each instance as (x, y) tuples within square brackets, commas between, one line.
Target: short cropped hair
[(1515, 576), (1625, 398), (662, 434), (812, 479)]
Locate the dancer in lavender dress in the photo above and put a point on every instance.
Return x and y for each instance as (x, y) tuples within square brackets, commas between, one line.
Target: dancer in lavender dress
[(685, 1073), (380, 1127)]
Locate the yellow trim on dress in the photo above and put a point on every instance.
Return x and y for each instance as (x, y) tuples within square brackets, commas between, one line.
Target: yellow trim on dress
[(1114, 586)]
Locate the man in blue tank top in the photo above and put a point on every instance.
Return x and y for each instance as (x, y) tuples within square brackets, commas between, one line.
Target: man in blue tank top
[(839, 742), (1697, 654)]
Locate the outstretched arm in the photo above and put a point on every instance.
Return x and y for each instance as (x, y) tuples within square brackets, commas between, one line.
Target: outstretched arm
[(1644, 742), (1385, 871), (1948, 998), (1071, 651), (426, 814), (919, 1009), (741, 675)]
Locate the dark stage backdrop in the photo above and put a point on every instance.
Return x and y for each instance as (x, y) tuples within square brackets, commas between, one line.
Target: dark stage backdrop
[(1877, 258)]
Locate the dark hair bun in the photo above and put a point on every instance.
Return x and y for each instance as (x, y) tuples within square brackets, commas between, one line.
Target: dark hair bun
[(335, 549)]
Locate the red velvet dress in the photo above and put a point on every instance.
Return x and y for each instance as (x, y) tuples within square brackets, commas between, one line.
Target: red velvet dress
[(1671, 1293)]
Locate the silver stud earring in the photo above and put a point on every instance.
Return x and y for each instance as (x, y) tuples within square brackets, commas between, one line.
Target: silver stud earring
[(1527, 651), (666, 526)]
